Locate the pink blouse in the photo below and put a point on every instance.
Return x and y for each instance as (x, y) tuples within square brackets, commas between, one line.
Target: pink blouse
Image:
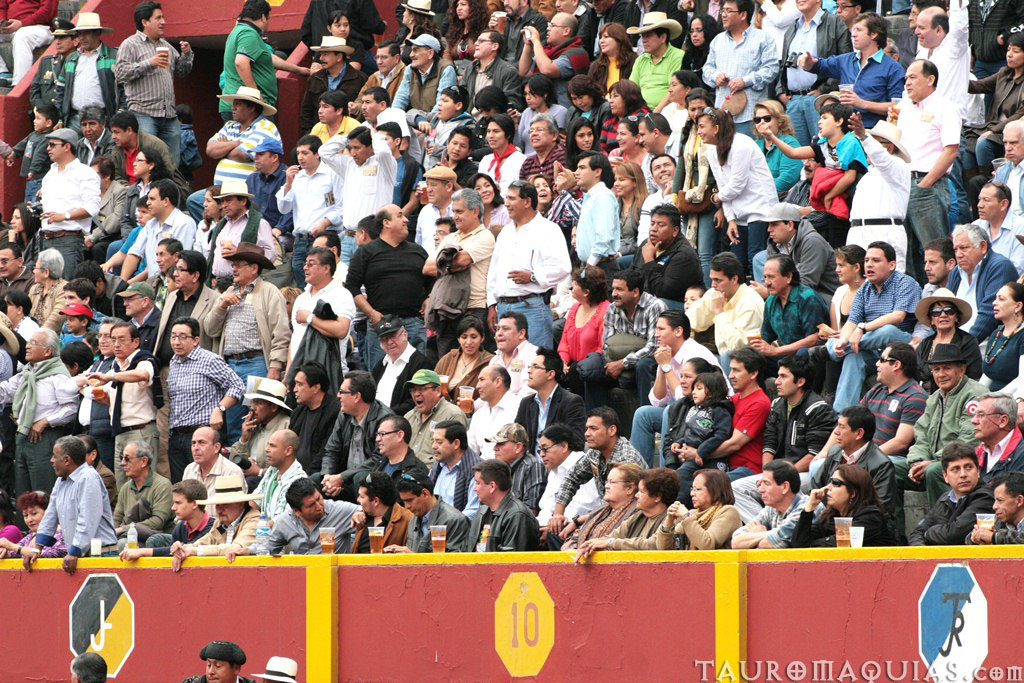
[(577, 342)]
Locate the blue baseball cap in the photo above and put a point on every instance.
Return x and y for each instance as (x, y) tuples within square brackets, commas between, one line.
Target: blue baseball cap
[(268, 145)]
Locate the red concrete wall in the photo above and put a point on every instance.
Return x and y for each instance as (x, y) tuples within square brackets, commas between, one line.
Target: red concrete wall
[(264, 610), (612, 622)]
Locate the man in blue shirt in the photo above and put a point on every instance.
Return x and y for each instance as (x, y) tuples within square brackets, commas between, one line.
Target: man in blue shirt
[(263, 185), (877, 79), (882, 313), (597, 232)]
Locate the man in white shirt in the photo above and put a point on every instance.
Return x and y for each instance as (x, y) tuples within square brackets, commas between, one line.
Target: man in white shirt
[(1003, 227), (930, 128), (71, 197), (514, 352), (87, 75), (496, 406), (880, 203), (530, 259), (168, 222), (367, 173), (312, 193), (559, 458), (321, 286), (208, 464), (441, 182), (377, 109)]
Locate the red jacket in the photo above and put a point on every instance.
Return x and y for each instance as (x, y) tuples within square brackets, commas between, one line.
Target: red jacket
[(29, 12), (821, 184)]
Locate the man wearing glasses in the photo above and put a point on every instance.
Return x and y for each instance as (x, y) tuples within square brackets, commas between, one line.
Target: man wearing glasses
[(14, 274), (71, 197), (488, 68), (394, 457)]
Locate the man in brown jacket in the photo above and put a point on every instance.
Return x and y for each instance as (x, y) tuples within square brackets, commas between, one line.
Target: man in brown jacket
[(235, 528), (379, 500), (251, 322), (390, 71)]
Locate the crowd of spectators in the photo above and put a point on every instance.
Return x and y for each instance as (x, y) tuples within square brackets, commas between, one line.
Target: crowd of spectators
[(587, 277)]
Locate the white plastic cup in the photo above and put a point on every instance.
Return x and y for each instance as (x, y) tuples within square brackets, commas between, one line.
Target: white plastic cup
[(95, 547), (856, 537)]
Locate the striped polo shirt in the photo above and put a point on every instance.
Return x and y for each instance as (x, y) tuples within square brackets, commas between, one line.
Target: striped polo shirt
[(260, 130), (903, 405)]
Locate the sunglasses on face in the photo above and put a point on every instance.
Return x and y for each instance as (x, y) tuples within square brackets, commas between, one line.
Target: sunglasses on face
[(939, 310), (836, 483), (763, 119)]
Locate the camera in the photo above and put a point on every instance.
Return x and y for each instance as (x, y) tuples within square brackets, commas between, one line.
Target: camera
[(35, 208), (791, 61)]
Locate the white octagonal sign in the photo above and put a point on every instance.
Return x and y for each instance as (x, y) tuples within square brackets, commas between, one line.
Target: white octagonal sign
[(952, 624)]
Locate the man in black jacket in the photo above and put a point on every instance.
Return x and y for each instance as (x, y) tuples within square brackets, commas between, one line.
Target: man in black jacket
[(502, 74), (855, 432), (954, 515), (400, 363), (519, 16), (394, 459), (544, 376), (353, 440), (669, 264), (363, 19)]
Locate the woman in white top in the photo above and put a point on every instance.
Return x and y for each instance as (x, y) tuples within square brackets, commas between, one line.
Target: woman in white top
[(850, 269), (745, 184), (774, 17), (505, 160), (679, 86)]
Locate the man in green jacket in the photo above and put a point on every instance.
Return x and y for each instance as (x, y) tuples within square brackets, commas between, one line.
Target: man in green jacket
[(92, 54), (143, 485), (947, 418)]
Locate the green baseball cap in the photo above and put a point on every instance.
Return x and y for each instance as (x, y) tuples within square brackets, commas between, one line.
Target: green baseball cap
[(425, 377), (139, 289)]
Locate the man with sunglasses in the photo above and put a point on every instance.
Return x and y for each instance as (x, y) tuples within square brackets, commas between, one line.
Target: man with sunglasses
[(1001, 225), (71, 197)]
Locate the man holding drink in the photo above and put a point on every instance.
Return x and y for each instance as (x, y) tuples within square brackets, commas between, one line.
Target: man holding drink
[(313, 526), (438, 527), (1009, 511), (387, 522), (954, 515)]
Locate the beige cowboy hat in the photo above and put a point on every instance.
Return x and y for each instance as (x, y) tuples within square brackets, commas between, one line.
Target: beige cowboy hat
[(653, 20), (12, 344), (233, 187), (735, 103), (887, 132), (821, 100), (230, 488), (250, 95), (90, 21), (333, 44), (270, 390), (942, 294), (419, 7)]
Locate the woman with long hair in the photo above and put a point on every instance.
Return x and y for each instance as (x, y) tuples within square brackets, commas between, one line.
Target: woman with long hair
[(785, 171), (680, 84), (495, 213), (711, 522), (588, 101), (467, 19), (630, 187), (581, 137), (505, 159), (539, 91), (624, 99), (850, 270), (615, 61), (416, 20), (984, 143), (744, 183), (694, 185), (463, 363), (1005, 347), (545, 195), (25, 232), (702, 30), (850, 492)]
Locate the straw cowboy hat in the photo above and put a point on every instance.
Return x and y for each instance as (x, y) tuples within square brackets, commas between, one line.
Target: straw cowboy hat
[(12, 342), (270, 390), (229, 488), (250, 95), (90, 21), (655, 20), (942, 294), (887, 132), (233, 187), (280, 669), (419, 7), (333, 44)]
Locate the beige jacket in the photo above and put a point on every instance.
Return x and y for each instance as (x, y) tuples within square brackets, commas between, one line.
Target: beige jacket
[(206, 302), (717, 536), (636, 533), (256, 447), (46, 307), (271, 317), (214, 542)]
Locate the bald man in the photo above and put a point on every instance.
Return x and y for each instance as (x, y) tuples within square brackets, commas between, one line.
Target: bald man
[(282, 469)]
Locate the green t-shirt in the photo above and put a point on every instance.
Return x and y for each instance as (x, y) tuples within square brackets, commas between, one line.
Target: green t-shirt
[(653, 78), (245, 39)]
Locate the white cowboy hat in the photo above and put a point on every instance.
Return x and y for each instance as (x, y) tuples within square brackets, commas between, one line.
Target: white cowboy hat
[(333, 44), (90, 21), (653, 20), (233, 187), (942, 294), (887, 132), (419, 7), (250, 95), (280, 669), (230, 488), (271, 391)]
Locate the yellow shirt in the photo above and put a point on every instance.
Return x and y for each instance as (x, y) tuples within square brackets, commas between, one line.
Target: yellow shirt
[(613, 74), (348, 124), (740, 318)]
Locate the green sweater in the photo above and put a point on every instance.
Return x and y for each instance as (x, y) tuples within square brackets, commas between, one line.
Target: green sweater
[(946, 419), (157, 492)]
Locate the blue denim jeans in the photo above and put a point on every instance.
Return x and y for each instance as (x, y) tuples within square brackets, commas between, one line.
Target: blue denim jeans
[(538, 318), (745, 127), (194, 205), (753, 238), (348, 247), (804, 116), (707, 243), (417, 337), (32, 189), (647, 421), (167, 129), (301, 250), (244, 368), (985, 151), (851, 378), (757, 266), (958, 192)]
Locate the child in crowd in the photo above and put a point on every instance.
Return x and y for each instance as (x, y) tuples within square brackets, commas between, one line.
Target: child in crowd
[(113, 265), (702, 427), (36, 162), (692, 296), (190, 157), (76, 322), (451, 113)]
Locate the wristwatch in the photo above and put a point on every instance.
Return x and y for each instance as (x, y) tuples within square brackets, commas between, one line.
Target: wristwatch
[(862, 327), (533, 278), (666, 368), (67, 215), (221, 408)]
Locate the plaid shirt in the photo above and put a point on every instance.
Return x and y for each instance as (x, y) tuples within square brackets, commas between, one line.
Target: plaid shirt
[(780, 526), (648, 308), (196, 383), (755, 59), (900, 292), (799, 318), (148, 89), (528, 480), (593, 466)]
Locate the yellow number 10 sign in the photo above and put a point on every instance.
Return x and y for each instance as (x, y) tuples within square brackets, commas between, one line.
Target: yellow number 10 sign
[(524, 624)]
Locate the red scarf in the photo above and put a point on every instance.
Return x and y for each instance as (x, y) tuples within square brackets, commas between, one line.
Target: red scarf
[(499, 158)]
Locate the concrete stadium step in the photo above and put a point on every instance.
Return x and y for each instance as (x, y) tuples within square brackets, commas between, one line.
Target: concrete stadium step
[(915, 507)]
